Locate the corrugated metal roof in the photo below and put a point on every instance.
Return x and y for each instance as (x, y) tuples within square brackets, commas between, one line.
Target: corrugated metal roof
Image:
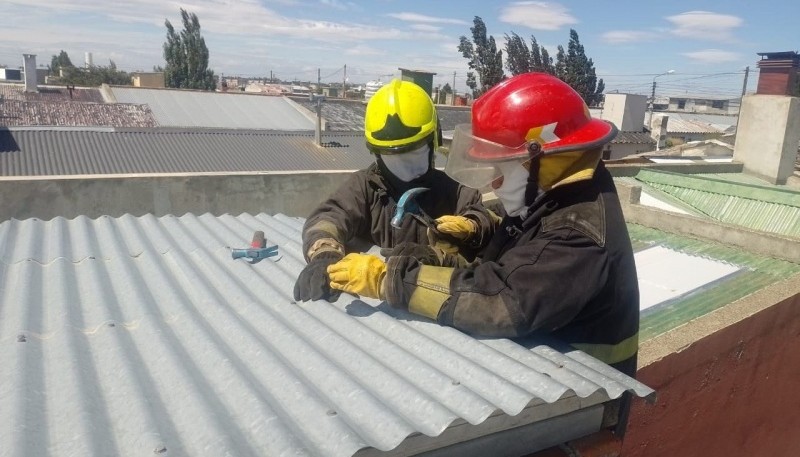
[(185, 108), (37, 152), (760, 207), (132, 336), (757, 272), (677, 125), (633, 138)]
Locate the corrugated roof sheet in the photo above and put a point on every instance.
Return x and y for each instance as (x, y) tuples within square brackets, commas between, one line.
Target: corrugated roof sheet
[(186, 108), (633, 137), (132, 336), (757, 272), (760, 207), (677, 125), (37, 152)]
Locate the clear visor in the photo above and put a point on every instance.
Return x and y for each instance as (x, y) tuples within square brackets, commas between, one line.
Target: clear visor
[(475, 162)]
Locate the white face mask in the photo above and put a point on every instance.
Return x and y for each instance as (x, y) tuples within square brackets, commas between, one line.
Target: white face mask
[(512, 192), (408, 165)]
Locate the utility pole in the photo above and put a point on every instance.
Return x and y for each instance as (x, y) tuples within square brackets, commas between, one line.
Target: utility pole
[(744, 85), (454, 88), (270, 76), (319, 81), (744, 89), (344, 82)]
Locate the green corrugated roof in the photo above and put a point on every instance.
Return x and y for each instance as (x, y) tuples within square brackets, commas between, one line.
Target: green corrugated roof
[(757, 272), (732, 200)]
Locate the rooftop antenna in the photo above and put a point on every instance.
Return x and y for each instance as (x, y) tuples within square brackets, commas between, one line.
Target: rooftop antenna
[(317, 99)]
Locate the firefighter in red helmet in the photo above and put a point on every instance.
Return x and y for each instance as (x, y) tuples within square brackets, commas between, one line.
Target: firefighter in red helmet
[(562, 261)]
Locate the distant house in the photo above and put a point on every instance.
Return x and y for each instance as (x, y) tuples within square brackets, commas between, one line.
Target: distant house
[(148, 79), (710, 105)]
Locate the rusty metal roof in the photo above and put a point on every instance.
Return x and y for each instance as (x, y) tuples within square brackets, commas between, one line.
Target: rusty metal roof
[(141, 335)]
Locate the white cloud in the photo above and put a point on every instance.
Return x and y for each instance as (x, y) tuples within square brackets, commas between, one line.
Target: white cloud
[(414, 17), (363, 50), (425, 27), (713, 56), (705, 25), (627, 36), (537, 15)]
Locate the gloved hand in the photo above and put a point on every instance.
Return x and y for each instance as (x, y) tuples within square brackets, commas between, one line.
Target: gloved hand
[(459, 227), (422, 252), (359, 274), (313, 282)]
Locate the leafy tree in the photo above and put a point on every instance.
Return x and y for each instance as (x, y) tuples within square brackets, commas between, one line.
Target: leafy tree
[(95, 76), (60, 61), (577, 70), (518, 57), (442, 96), (540, 58), (483, 57), (187, 56)]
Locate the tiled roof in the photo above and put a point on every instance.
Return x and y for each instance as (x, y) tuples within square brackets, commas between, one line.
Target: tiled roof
[(136, 336), (231, 110), (74, 114), (774, 209), (36, 152), (50, 94)]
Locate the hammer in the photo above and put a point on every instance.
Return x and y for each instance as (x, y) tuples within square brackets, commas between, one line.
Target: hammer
[(257, 251), (408, 205)]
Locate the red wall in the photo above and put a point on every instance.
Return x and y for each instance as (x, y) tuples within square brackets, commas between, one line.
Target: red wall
[(776, 81), (733, 393)]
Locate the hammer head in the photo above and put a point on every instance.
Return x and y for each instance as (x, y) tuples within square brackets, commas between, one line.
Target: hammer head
[(407, 205)]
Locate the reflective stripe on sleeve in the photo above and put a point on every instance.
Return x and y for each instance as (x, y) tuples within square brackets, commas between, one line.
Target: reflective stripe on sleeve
[(431, 291), (611, 353)]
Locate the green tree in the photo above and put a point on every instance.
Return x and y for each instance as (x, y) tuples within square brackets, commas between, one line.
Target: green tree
[(540, 58), (518, 57), (577, 70), (60, 61), (442, 96), (483, 57), (186, 55), (95, 76)]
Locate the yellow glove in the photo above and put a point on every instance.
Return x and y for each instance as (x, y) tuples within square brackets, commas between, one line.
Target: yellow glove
[(459, 227), (360, 274)]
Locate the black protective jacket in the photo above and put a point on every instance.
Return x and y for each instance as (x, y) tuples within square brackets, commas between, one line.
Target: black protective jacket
[(363, 207), (567, 270)]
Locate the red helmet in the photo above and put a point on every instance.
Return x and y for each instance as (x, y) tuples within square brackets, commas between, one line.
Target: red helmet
[(522, 110)]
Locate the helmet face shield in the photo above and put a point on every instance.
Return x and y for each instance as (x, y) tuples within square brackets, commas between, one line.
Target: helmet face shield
[(476, 162)]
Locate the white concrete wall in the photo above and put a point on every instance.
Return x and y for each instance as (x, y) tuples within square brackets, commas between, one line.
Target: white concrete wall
[(767, 137), (626, 111), (293, 194)]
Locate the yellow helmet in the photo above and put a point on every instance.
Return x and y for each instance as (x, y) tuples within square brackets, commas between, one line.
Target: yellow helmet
[(400, 117)]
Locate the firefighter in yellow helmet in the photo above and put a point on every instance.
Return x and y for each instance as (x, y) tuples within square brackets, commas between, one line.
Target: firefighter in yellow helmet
[(402, 132)]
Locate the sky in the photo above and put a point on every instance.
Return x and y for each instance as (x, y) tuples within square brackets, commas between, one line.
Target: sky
[(703, 47)]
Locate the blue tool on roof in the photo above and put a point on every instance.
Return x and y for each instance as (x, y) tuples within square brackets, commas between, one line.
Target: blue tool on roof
[(257, 251)]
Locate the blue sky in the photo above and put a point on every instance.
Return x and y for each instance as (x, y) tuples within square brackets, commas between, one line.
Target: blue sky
[(708, 44)]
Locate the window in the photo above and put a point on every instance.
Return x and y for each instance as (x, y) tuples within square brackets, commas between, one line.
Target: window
[(681, 104), (718, 104)]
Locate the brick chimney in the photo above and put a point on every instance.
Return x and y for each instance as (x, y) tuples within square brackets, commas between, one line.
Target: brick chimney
[(778, 73)]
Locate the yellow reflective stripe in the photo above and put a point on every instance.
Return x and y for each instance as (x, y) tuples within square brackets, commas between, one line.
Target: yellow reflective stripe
[(432, 290), (611, 353)]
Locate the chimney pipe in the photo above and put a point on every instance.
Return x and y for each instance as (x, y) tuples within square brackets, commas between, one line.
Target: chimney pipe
[(29, 65)]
